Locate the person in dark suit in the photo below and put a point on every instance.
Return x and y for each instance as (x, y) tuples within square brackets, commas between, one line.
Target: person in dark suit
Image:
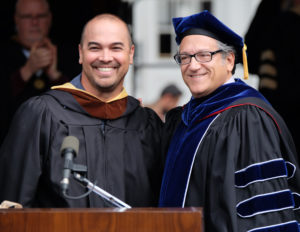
[(31, 63)]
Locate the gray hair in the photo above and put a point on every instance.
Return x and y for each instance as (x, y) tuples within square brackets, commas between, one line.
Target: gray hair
[(226, 50)]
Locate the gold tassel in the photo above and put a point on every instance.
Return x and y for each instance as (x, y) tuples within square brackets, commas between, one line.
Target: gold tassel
[(245, 63)]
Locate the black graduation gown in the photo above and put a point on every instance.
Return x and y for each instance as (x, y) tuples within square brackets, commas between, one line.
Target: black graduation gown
[(240, 137), (122, 155)]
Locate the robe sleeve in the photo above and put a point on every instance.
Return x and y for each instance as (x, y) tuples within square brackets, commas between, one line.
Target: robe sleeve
[(243, 139), (23, 151), (152, 142), (173, 119)]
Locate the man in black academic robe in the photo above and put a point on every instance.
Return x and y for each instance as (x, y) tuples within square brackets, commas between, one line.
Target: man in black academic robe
[(119, 141)]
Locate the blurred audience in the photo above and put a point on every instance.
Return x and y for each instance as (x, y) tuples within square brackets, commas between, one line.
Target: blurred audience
[(277, 57), (260, 30), (31, 63), (168, 100)]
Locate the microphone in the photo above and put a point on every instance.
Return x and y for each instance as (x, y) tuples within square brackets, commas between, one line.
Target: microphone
[(69, 149)]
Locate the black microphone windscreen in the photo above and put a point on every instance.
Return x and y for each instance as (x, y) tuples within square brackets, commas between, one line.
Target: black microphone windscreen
[(70, 142)]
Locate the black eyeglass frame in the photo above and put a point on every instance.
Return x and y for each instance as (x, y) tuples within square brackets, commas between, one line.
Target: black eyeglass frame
[(177, 56)]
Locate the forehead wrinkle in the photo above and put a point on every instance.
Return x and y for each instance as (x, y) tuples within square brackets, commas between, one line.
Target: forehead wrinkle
[(197, 43)]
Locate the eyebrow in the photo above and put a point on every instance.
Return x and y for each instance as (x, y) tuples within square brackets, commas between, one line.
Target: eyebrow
[(201, 50), (92, 43), (113, 44), (118, 43)]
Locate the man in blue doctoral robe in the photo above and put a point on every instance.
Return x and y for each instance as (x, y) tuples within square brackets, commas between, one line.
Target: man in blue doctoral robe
[(228, 151)]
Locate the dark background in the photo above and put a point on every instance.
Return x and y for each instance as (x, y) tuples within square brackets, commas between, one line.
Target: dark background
[(69, 17)]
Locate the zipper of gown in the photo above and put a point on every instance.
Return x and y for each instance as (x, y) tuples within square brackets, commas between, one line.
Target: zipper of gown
[(103, 131), (103, 128)]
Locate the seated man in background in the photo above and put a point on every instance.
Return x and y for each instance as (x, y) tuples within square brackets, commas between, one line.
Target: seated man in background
[(30, 63), (168, 100)]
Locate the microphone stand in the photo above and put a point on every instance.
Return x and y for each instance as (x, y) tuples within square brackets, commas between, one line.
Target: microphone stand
[(102, 193), (75, 168)]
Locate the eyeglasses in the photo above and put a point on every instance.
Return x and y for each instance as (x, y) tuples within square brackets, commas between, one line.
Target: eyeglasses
[(202, 57), (33, 17)]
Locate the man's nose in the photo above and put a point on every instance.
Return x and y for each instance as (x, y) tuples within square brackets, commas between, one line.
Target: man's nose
[(105, 55), (34, 20), (194, 64)]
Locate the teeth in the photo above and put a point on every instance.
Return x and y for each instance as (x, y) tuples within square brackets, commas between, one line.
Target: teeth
[(199, 75), (105, 69)]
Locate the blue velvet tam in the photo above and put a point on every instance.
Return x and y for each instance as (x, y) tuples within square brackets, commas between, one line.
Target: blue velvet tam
[(204, 23)]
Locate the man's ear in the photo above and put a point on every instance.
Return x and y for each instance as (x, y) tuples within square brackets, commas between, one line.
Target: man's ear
[(230, 59), (131, 54), (80, 53)]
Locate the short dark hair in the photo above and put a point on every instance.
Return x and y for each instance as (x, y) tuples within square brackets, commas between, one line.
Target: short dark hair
[(171, 89)]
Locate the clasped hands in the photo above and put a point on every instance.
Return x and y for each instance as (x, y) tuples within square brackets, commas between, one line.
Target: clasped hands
[(43, 55)]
